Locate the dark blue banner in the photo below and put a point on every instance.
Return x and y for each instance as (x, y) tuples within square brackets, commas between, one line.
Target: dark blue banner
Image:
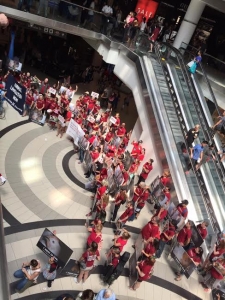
[(15, 94)]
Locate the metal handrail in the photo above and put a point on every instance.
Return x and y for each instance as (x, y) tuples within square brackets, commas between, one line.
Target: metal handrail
[(4, 283)]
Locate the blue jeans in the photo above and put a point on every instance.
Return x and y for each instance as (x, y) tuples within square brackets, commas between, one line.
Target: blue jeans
[(81, 155), (161, 247), (23, 281)]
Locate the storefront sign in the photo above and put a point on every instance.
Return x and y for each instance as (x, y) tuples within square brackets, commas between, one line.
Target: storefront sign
[(146, 8), (15, 94)]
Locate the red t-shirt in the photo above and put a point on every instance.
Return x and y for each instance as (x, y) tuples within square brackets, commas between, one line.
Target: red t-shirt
[(40, 103), (121, 131), (64, 102), (90, 257), (221, 251), (141, 157), (184, 235), (48, 101), (29, 99), (203, 231), (182, 210), (162, 215), (125, 177), (91, 104), (165, 181), (150, 230), (94, 155), (122, 243), (168, 196), (169, 232), (109, 136), (148, 167), (146, 269), (91, 139), (115, 261), (137, 193), (53, 105), (133, 168), (94, 237), (120, 151), (128, 213), (103, 119), (193, 254), (150, 249), (100, 192), (137, 149), (215, 274)]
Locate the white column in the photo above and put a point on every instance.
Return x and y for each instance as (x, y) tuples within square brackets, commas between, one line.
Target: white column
[(189, 23)]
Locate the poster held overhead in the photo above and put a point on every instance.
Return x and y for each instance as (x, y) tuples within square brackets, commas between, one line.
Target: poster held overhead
[(16, 94), (51, 245), (75, 131)]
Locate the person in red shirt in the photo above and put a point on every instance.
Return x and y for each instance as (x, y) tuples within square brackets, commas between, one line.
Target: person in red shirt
[(141, 156), (154, 36), (150, 231), (125, 177), (146, 169), (44, 86), (137, 149), (127, 214), (202, 229), (214, 275), (166, 236), (149, 249), (121, 241), (90, 105), (144, 269), (95, 235), (182, 209), (138, 191), (109, 136), (121, 198), (167, 198), (28, 103), (184, 236), (165, 178), (121, 131), (133, 167), (40, 104), (142, 201), (117, 124), (87, 262), (161, 213)]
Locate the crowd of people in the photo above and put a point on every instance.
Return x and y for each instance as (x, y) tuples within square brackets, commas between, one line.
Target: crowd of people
[(111, 172)]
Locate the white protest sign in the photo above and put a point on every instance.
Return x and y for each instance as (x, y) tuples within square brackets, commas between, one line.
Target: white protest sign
[(52, 91), (61, 119), (94, 95), (112, 120), (75, 131), (91, 119)]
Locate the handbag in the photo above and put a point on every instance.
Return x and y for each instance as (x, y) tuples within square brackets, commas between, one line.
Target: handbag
[(190, 63), (193, 68), (47, 275)]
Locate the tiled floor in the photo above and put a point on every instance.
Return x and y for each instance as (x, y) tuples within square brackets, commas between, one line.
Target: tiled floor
[(38, 190)]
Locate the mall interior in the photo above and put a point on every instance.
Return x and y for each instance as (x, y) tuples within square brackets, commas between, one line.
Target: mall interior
[(45, 185)]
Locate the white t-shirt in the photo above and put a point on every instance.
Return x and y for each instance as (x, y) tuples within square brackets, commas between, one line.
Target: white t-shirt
[(92, 6), (143, 25), (107, 9)]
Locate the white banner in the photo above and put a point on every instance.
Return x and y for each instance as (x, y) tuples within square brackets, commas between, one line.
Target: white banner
[(94, 95), (112, 120), (52, 91), (75, 131)]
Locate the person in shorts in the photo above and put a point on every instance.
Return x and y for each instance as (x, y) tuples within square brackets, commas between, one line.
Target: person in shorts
[(154, 36)]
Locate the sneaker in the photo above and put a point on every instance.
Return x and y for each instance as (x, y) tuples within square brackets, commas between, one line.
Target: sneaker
[(75, 280)]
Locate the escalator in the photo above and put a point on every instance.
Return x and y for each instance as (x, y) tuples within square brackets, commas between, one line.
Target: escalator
[(165, 90)]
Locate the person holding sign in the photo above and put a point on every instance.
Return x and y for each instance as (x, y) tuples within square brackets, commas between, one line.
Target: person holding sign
[(184, 236), (145, 270), (87, 262)]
